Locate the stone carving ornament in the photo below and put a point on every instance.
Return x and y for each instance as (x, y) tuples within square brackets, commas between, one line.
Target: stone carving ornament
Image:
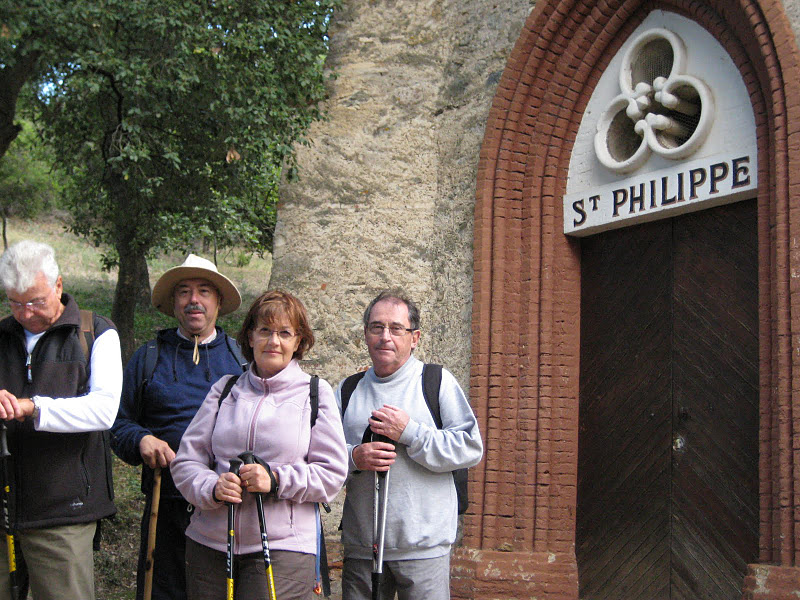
[(661, 109)]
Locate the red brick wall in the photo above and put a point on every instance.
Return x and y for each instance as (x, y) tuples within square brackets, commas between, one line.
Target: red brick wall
[(519, 534)]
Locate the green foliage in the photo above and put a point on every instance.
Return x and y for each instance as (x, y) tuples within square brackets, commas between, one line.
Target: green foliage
[(27, 183), (174, 117)]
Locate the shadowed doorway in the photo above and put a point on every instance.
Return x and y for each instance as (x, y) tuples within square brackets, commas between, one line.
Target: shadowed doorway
[(668, 443)]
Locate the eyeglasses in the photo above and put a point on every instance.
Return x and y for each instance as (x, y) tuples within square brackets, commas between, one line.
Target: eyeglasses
[(37, 304), (394, 329), (264, 334)]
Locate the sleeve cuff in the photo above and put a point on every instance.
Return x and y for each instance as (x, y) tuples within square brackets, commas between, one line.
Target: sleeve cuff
[(351, 465), (409, 434)]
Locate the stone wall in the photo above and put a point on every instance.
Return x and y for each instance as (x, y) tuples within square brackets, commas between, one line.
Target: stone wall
[(387, 189)]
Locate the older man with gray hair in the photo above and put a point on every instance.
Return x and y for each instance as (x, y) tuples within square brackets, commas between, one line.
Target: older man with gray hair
[(59, 394)]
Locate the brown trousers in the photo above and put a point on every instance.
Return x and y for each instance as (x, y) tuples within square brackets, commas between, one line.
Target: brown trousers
[(206, 574)]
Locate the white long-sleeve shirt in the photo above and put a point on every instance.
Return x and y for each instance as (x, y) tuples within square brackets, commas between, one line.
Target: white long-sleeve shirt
[(95, 410)]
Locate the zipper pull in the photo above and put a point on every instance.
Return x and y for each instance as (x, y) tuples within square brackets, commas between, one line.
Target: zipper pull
[(28, 368)]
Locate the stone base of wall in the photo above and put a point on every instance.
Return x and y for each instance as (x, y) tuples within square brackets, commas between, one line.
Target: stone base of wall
[(494, 575), (769, 582)]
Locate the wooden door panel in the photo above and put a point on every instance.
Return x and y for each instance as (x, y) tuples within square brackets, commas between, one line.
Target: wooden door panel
[(715, 393), (669, 358), (624, 420)]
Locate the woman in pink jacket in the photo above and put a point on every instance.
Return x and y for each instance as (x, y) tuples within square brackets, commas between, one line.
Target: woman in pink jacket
[(267, 412)]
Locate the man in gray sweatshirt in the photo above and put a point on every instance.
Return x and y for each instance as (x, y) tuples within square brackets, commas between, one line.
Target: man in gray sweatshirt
[(422, 518)]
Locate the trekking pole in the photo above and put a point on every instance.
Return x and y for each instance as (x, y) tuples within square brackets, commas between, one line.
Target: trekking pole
[(235, 464), (379, 504), (151, 535), (249, 458), (12, 557)]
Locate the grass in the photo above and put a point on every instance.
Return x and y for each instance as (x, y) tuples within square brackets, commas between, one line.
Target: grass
[(115, 563)]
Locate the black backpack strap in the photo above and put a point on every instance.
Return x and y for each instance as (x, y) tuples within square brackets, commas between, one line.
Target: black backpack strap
[(234, 348), (224, 394), (227, 389), (431, 383), (151, 351), (150, 358), (314, 393), (348, 387)]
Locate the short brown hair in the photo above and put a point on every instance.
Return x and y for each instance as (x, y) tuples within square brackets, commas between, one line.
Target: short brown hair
[(267, 308), (398, 296)]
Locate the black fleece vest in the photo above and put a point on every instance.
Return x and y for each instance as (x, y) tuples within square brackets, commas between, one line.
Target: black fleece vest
[(57, 478)]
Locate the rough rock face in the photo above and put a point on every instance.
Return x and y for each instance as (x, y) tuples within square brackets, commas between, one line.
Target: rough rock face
[(387, 189)]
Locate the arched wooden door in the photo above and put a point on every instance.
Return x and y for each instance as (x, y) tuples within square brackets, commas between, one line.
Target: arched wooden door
[(668, 442)]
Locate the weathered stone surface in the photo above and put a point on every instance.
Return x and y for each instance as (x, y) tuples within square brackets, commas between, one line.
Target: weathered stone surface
[(387, 188)]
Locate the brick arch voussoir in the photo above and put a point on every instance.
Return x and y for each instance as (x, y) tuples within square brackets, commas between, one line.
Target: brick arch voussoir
[(527, 273)]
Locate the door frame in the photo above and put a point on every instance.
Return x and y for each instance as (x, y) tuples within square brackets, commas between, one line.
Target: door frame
[(526, 300)]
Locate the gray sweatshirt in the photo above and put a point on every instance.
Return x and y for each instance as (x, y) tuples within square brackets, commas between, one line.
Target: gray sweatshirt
[(421, 518)]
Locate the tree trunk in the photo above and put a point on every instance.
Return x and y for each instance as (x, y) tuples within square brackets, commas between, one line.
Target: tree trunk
[(133, 283), (125, 298), (11, 81), (143, 293)]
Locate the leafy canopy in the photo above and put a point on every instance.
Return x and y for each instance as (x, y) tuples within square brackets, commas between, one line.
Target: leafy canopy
[(172, 117)]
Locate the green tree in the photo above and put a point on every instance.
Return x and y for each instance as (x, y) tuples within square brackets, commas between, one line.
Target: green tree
[(173, 118), (27, 183)]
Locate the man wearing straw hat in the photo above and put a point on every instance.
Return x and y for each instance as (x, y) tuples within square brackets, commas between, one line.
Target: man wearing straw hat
[(164, 384)]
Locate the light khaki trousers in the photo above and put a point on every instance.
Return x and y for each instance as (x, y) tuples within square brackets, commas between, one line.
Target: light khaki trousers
[(60, 562)]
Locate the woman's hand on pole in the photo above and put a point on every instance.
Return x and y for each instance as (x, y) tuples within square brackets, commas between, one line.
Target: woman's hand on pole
[(228, 489), (255, 478)]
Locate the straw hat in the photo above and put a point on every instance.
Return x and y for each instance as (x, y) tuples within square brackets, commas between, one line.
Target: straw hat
[(195, 267)]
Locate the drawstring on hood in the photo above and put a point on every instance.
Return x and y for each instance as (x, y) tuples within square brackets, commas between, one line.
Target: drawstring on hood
[(196, 353)]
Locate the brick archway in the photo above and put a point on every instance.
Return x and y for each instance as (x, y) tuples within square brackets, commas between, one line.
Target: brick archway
[(519, 536)]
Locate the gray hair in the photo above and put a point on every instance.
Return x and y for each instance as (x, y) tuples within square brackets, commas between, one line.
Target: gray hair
[(22, 263), (399, 297)]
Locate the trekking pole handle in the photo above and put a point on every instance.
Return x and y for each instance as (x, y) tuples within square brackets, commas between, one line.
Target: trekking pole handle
[(371, 436), (247, 458), (4, 453)]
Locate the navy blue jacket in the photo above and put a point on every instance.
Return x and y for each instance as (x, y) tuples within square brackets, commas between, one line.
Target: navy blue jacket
[(170, 399)]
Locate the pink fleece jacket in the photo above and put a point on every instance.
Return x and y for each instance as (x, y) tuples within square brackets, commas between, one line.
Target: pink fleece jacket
[(270, 417)]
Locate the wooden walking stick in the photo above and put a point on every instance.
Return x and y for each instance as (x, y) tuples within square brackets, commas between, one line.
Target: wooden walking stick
[(151, 534)]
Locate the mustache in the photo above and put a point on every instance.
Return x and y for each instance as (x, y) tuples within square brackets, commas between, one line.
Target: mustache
[(194, 307)]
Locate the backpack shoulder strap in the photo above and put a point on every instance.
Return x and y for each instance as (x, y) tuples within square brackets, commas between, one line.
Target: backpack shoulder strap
[(314, 393), (348, 387), (87, 333), (431, 383), (227, 389), (151, 351), (150, 358), (224, 394), (233, 346)]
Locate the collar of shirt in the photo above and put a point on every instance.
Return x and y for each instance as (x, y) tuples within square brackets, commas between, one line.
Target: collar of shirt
[(208, 340)]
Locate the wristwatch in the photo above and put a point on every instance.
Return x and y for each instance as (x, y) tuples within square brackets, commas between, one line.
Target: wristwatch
[(36, 410)]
